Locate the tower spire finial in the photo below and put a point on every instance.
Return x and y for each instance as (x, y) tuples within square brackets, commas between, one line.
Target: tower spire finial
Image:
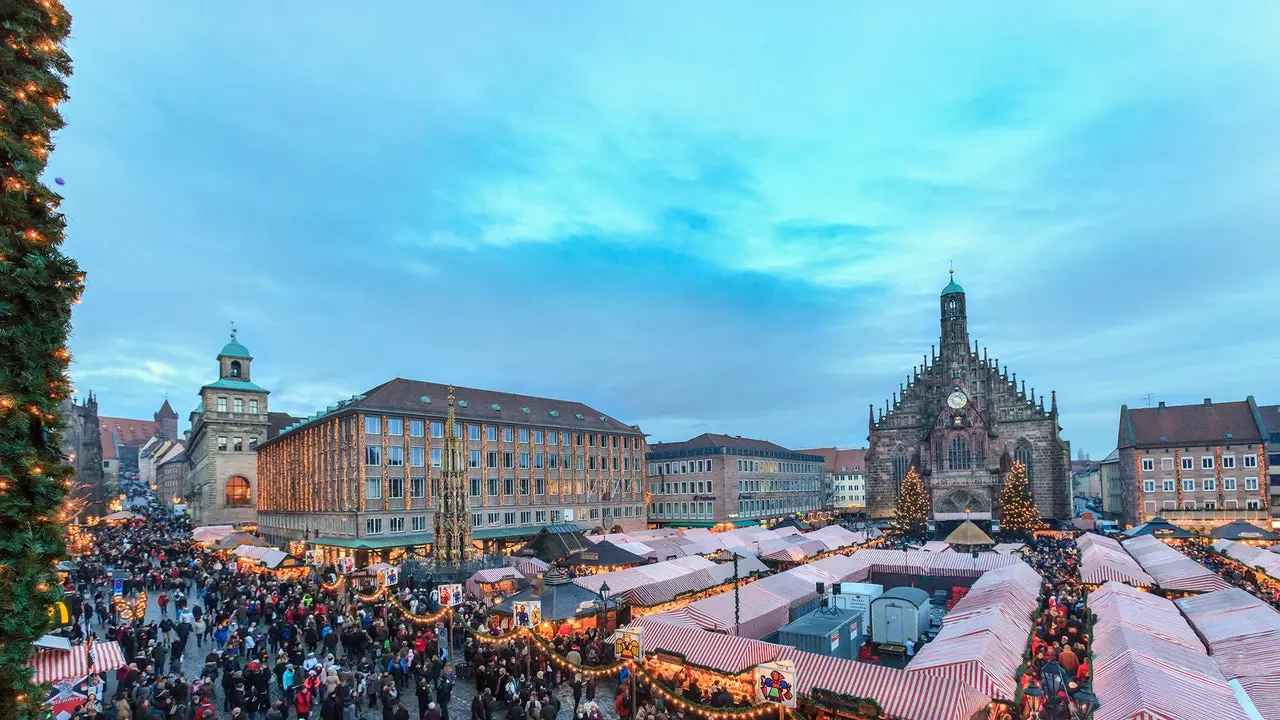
[(233, 329), (951, 269)]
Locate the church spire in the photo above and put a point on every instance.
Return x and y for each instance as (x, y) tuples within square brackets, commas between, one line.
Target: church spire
[(452, 541)]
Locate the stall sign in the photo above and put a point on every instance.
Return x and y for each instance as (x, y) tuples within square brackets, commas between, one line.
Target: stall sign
[(630, 644), (776, 683), (388, 577), (315, 557), (346, 565), (117, 586), (527, 613), (450, 594)]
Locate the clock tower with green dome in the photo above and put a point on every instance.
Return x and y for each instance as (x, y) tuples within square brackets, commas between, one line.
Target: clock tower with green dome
[(226, 429), (962, 420)]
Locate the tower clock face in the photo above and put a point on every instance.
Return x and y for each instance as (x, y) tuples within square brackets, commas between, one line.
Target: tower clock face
[(957, 400)]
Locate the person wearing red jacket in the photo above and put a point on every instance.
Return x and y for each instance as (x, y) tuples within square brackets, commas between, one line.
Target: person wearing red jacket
[(302, 702)]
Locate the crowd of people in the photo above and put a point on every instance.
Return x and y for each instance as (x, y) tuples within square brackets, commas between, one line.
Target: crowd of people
[(1236, 573), (1059, 664)]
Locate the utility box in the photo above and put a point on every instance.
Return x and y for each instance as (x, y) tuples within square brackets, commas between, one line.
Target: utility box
[(857, 597), (826, 631), (898, 615)]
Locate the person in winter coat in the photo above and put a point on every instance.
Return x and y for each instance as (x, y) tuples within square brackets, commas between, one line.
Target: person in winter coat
[(480, 706), (302, 703)]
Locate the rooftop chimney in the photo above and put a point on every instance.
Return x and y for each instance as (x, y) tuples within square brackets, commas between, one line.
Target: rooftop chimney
[(1161, 406), (1208, 402)]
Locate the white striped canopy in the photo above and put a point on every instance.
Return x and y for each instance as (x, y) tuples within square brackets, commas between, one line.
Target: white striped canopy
[(1148, 663), (1254, 557), (55, 665), (1102, 559), (633, 577), (1171, 569), (1243, 635)]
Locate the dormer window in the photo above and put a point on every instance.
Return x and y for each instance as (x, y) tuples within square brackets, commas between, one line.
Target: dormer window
[(235, 369)]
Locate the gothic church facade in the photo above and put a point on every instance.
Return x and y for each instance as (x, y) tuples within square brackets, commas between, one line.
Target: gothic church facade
[(962, 420)]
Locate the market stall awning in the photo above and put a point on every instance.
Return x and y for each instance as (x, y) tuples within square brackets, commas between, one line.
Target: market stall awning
[(1102, 560), (237, 539), (1160, 528), (381, 542), (53, 665), (604, 554), (490, 576), (1243, 635), (1171, 569), (119, 516), (561, 599), (969, 534), (1254, 557), (1243, 530)]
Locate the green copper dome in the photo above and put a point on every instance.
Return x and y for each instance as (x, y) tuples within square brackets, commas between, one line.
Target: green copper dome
[(952, 287), (235, 349)]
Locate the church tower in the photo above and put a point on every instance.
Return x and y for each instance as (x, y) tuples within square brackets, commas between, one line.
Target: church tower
[(955, 325), (452, 542), (167, 419)]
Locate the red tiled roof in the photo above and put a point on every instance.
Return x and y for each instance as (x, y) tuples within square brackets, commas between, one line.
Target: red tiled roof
[(128, 431), (715, 440), (1190, 425), (851, 461), (828, 456)]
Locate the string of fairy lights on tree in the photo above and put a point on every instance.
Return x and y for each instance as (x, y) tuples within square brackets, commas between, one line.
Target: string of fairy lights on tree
[(38, 286), (912, 512), (1018, 512)]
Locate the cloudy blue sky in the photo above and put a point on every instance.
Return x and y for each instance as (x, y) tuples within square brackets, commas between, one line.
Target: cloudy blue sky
[(719, 216)]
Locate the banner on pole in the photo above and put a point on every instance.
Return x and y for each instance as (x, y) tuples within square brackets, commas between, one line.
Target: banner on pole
[(450, 594), (630, 644), (388, 577), (346, 565), (527, 613)]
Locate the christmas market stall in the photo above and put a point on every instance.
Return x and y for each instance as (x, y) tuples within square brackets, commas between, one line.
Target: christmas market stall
[(555, 543), (1243, 635), (210, 534), (1251, 556), (1171, 569), (1149, 663), (530, 567), (236, 539), (57, 659), (983, 638), (1159, 527), (1245, 532), (119, 517), (968, 537), (1103, 559), (493, 582), (564, 605), (602, 557), (666, 595)]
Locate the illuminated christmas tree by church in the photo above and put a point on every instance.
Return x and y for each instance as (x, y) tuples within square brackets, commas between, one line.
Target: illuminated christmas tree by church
[(912, 514), (1018, 513)]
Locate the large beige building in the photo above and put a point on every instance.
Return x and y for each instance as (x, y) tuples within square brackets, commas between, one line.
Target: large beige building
[(226, 429), (1194, 465), (714, 479), (845, 480), (364, 474)]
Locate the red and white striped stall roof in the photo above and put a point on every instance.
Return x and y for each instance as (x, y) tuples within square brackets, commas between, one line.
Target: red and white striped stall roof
[(622, 580), (1148, 663), (668, 590), (1252, 556), (760, 612), (54, 665), (1171, 569), (722, 653), (1102, 559), (1243, 635)]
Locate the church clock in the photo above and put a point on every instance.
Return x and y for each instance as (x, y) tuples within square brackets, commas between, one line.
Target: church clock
[(957, 400)]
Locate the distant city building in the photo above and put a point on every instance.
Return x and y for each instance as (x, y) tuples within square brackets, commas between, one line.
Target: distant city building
[(1271, 424), (713, 479), (1086, 480), (123, 438), (364, 474), (171, 487), (962, 420), (1111, 485), (81, 445), (227, 426), (844, 478), (1193, 465)]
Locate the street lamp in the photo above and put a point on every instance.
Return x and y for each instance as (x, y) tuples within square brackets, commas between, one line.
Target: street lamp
[(1051, 675), (1034, 697), (604, 606), (1084, 703)]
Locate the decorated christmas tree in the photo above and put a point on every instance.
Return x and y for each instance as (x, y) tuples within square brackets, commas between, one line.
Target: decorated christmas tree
[(38, 285), (912, 514), (1018, 513)]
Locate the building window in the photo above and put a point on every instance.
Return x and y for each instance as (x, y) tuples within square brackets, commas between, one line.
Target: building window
[(1210, 484), (477, 520), (395, 456), (1228, 484), (524, 435), (1168, 486), (457, 430), (435, 457), (493, 518), (1206, 462), (395, 426), (508, 486), (540, 516), (238, 405), (508, 460), (238, 492), (1210, 504), (237, 444), (235, 368), (395, 524), (491, 459), (222, 442), (373, 526), (1228, 462), (539, 460), (475, 487), (552, 438), (526, 517), (395, 488), (1188, 463), (437, 429), (508, 518), (415, 428), (539, 486), (524, 461), (507, 434), (1166, 463), (1253, 504), (595, 513), (418, 487), (1188, 485), (417, 457), (222, 404), (473, 459), (491, 433), (493, 487), (373, 488), (1148, 465), (419, 523), (1251, 483), (473, 431), (253, 407), (591, 462), (537, 437), (1251, 461), (253, 443), (372, 455), (555, 516), (958, 457), (372, 425)]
